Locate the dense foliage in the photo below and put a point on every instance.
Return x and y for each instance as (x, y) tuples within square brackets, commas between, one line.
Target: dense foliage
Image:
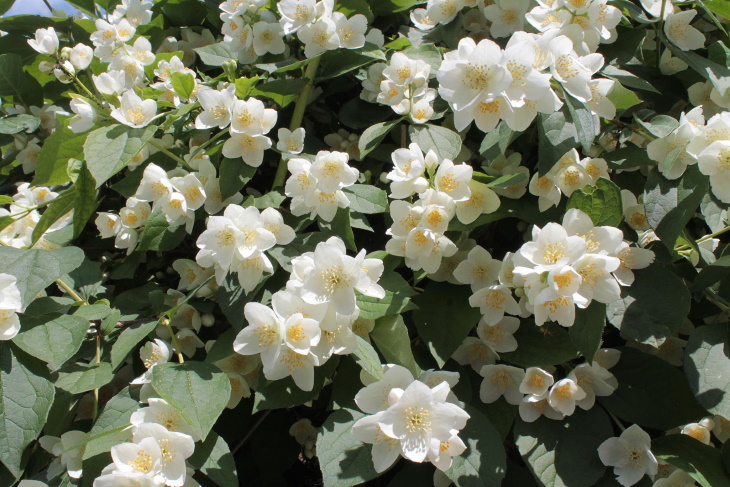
[(476, 242)]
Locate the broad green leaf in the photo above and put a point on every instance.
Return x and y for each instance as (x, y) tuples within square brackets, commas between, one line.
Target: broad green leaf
[(396, 300), (556, 136), (715, 213), (390, 335), (671, 204), (35, 270), (344, 460), (234, 175), (367, 199), (19, 123), (85, 200), (245, 85), (85, 279), (159, 235), (444, 318), (109, 427), (109, 149), (63, 144), (282, 91), (16, 83), (354, 7), (26, 396), (6, 5), (703, 462), (601, 202), (284, 393), (128, 340), (183, 84), (341, 227), (659, 126), (272, 199), (57, 209), (484, 463), (374, 135), (707, 367), (53, 340), (651, 393), (628, 79), (542, 346), (653, 308), (305, 242), (564, 453), (387, 7), (337, 62), (198, 390), (214, 54), (497, 141), (366, 356), (622, 98), (184, 12), (81, 378), (587, 331), (712, 274), (586, 125), (627, 158), (717, 74), (502, 181), (428, 53), (444, 142), (359, 114), (719, 7), (213, 459)]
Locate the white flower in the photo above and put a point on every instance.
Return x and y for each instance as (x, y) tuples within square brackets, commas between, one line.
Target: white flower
[(160, 412), (595, 381), (409, 167), (475, 352), (291, 142), (501, 380), (295, 14), (572, 71), (69, 449), (494, 301), (499, 336), (81, 56), (45, 42), (153, 353), (263, 335), (10, 305), (332, 171), (319, 37), (250, 148), (564, 394), (134, 111), (678, 478), (142, 457), (481, 200), (454, 180), (110, 82), (373, 397), (479, 269), (350, 32), (536, 382), (506, 16), (699, 431), (532, 407), (274, 222), (669, 65), (268, 37), (385, 450), (631, 258), (630, 455), (217, 106), (683, 35), (299, 367), (714, 161), (250, 117), (174, 449), (85, 115)]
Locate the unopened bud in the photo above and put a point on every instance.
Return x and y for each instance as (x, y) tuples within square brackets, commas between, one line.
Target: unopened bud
[(66, 53), (229, 68)]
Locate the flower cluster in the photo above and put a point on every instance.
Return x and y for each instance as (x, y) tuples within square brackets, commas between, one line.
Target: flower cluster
[(417, 419), (312, 318), (25, 217)]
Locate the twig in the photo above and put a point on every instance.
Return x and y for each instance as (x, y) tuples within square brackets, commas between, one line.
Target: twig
[(250, 432)]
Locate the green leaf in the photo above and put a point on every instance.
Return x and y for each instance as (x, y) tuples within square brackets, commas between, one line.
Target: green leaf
[(354, 7), (18, 123), (542, 346), (366, 356), (628, 79), (444, 318), (502, 181), (396, 300), (85, 279), (390, 335), (344, 460), (651, 393), (622, 98), (214, 54), (302, 243), (340, 226), (387, 7), (444, 142), (245, 85), (660, 126), (272, 199), (108, 150), (337, 62), (712, 274), (53, 340), (199, 391), (428, 53), (183, 84), (601, 202), (234, 175), (484, 463), (213, 459), (714, 212), (108, 430), (85, 201), (26, 396), (585, 124), (374, 135), (57, 209), (16, 83), (556, 136), (497, 141), (367, 199), (670, 205), (716, 73), (719, 7), (282, 91), (627, 157), (63, 144), (284, 393), (587, 331), (35, 270), (128, 340), (81, 378), (6, 5), (643, 317), (563, 453), (704, 463), (159, 235), (707, 367)]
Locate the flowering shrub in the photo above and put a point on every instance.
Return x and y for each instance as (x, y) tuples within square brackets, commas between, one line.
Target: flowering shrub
[(470, 242)]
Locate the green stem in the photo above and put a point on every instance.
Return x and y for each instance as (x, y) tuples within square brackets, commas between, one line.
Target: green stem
[(706, 237), (70, 291), (175, 343), (297, 117), (162, 149), (207, 143)]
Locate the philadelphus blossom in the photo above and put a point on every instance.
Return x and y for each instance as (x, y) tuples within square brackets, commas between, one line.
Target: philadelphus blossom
[(630, 455), (45, 42), (134, 111), (316, 187), (69, 450), (10, 305), (409, 418)]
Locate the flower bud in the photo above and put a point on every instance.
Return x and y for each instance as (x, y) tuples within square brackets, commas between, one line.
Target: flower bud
[(46, 67), (229, 68), (66, 53)]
